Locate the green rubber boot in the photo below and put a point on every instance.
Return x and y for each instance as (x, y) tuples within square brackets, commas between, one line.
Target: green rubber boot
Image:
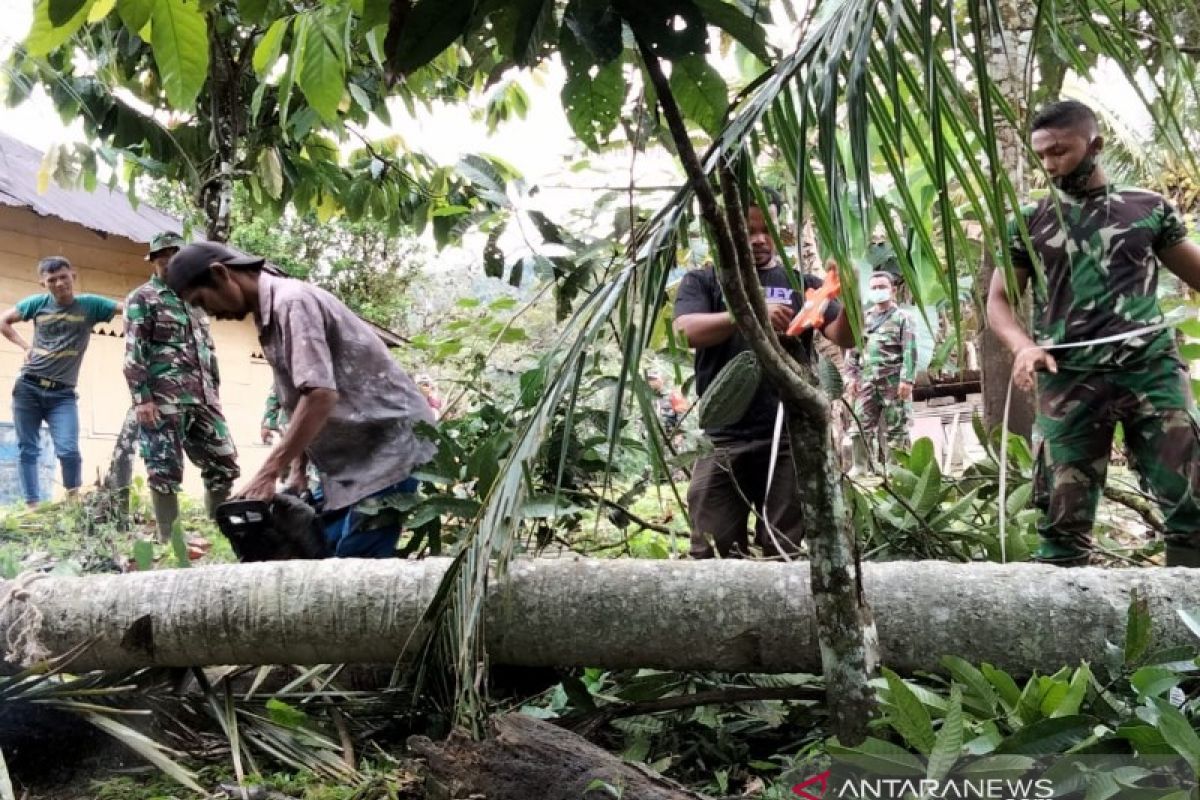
[(166, 511)]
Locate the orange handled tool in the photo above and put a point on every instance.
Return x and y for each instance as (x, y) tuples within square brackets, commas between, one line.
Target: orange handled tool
[(816, 301)]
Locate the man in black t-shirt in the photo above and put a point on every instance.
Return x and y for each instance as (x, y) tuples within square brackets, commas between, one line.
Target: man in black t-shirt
[(730, 484)]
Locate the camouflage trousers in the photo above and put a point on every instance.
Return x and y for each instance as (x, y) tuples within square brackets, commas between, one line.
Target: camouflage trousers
[(201, 432), (881, 417), (1077, 415)]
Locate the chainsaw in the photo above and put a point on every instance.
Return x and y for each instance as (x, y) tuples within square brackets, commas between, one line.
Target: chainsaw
[(285, 528)]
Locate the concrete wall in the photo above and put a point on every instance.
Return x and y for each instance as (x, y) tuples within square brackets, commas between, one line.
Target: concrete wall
[(112, 266)]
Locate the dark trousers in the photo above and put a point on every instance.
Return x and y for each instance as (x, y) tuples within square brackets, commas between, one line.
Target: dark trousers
[(728, 486)]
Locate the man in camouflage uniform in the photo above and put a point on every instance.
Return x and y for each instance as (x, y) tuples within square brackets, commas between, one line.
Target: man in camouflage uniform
[(881, 377), (1098, 248), (172, 373)]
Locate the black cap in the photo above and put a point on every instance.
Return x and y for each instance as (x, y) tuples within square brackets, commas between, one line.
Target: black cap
[(197, 259)]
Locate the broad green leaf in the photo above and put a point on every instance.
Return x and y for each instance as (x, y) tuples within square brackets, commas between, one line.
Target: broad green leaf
[(1006, 687), (593, 102), (949, 742), (1137, 628), (908, 715), (1049, 736), (374, 12), (1177, 731), (62, 11), (270, 45), (876, 755), (270, 172), (321, 72), (179, 38), (143, 555), (700, 92), (430, 27), (1153, 681), (595, 25), (1068, 704), (922, 455), (746, 30), (44, 36), (100, 10), (525, 23), (966, 674)]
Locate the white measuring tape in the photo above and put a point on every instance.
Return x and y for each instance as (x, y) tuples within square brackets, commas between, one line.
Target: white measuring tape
[(1119, 337)]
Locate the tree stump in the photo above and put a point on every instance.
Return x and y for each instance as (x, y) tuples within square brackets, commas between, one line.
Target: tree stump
[(527, 758)]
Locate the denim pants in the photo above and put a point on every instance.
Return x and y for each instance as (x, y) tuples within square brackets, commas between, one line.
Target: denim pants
[(369, 528), (59, 409)]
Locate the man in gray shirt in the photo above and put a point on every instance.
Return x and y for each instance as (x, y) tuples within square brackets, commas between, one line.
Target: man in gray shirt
[(353, 412), (45, 390)]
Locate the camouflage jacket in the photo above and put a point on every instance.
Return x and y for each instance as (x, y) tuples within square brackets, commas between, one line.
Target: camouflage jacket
[(1099, 273), (890, 354), (169, 356)]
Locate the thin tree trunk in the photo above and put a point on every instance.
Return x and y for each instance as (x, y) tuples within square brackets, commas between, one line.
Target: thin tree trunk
[(216, 195), (845, 642), (120, 472), (1008, 57), (724, 615)]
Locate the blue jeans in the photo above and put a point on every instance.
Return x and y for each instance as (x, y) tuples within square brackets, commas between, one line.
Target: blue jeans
[(58, 408), (351, 533)]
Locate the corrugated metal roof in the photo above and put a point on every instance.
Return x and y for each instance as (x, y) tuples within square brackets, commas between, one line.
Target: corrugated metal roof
[(104, 210)]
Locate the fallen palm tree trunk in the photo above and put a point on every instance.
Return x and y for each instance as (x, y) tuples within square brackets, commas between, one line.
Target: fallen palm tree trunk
[(714, 615)]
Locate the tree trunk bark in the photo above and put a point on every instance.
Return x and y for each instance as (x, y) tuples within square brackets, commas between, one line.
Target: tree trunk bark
[(731, 616), (846, 630), (224, 74), (1007, 62), (120, 473), (525, 758)]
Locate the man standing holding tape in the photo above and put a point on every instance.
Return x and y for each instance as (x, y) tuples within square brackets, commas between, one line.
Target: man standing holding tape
[(1099, 247)]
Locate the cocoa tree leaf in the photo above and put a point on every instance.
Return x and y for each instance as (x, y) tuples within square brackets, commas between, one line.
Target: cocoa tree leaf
[(266, 53), (100, 9), (521, 28), (62, 11), (746, 30), (947, 747), (45, 36), (1137, 628), (320, 73), (429, 28), (674, 29), (593, 103), (700, 92), (594, 25), (135, 13), (180, 41)]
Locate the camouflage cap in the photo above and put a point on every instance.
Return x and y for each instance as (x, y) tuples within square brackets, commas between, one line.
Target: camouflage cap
[(164, 241)]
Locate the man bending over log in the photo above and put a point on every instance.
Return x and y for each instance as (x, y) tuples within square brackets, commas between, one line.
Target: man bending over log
[(1099, 247), (353, 411)]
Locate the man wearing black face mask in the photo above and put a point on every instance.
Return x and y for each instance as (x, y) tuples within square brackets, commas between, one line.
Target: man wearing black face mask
[(1099, 248)]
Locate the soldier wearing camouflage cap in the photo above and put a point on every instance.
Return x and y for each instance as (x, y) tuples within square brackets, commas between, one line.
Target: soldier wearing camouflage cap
[(171, 369), (1096, 249)]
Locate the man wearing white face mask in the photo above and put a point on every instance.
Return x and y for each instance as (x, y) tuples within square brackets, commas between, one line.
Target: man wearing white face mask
[(881, 376)]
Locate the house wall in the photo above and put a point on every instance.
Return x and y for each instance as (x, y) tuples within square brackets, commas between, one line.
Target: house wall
[(113, 266)]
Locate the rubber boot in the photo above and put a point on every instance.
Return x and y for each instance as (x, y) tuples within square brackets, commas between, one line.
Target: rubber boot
[(214, 498), (1182, 555), (1058, 554), (166, 511), (860, 456)]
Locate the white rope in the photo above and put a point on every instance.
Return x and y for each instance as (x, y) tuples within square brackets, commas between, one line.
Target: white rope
[(1117, 337), (21, 637)]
